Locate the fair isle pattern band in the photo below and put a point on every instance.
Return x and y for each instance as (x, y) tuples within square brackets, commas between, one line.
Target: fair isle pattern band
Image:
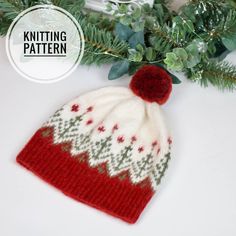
[(107, 148), (116, 196), (105, 141)]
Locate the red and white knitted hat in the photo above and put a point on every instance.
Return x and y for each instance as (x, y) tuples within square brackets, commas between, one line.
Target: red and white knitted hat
[(108, 148)]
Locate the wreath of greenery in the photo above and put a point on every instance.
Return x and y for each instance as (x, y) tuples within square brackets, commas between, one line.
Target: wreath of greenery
[(194, 41)]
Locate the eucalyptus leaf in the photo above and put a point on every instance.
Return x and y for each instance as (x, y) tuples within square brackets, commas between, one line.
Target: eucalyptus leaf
[(193, 56), (150, 21), (118, 69), (109, 7), (187, 10), (140, 48), (123, 32), (137, 13), (126, 20), (150, 54), (136, 38), (173, 61), (180, 53), (188, 25), (229, 42), (134, 55), (175, 79), (123, 8), (138, 26), (192, 49)]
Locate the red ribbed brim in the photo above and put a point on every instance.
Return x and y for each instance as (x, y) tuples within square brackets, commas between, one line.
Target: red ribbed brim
[(74, 177)]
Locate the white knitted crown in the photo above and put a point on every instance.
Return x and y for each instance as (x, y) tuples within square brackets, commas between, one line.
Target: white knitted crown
[(116, 127)]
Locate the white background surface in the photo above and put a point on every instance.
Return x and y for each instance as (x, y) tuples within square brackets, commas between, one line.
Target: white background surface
[(197, 195)]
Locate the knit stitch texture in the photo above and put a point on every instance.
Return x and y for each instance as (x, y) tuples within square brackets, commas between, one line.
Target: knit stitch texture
[(107, 148)]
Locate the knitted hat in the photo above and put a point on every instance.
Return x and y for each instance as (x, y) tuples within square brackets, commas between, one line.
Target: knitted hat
[(108, 148)]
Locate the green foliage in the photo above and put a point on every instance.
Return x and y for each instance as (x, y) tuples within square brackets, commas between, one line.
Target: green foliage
[(10, 9), (4, 25), (232, 3), (228, 31), (206, 15), (72, 6), (181, 58), (219, 74), (150, 54), (118, 69), (123, 32), (136, 38), (173, 61), (175, 79), (187, 41), (135, 55), (229, 42), (101, 46)]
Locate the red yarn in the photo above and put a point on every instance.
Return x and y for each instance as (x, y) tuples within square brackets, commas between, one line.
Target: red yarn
[(152, 84), (74, 177)]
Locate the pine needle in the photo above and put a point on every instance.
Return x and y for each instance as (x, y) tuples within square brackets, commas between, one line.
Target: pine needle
[(101, 47), (219, 74)]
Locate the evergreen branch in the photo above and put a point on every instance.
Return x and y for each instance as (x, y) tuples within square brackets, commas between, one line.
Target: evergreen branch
[(164, 34), (72, 6), (202, 29), (219, 74), (232, 3), (101, 47), (9, 9), (4, 25), (206, 15), (227, 27)]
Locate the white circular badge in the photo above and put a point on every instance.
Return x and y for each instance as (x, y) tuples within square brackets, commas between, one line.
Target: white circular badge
[(45, 43)]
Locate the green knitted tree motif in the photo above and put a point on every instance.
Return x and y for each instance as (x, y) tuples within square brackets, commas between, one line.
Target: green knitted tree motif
[(143, 166), (56, 118), (70, 127), (82, 142), (65, 128), (55, 122), (101, 149), (160, 168), (123, 159)]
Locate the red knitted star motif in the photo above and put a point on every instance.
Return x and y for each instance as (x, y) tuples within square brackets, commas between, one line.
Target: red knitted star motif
[(133, 139), (89, 109), (75, 108), (115, 127), (140, 149), (88, 122), (120, 139), (154, 143), (169, 140), (101, 129)]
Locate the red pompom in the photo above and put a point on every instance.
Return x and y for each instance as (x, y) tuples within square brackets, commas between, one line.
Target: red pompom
[(152, 83)]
